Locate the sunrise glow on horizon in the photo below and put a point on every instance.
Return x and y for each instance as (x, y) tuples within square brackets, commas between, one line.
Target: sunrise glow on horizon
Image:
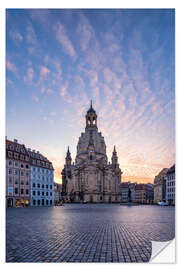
[(57, 60)]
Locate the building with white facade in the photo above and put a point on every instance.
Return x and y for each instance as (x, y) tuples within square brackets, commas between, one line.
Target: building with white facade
[(170, 186), (42, 180)]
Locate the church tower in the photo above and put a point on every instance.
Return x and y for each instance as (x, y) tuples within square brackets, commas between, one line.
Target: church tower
[(91, 119), (68, 158), (114, 157)]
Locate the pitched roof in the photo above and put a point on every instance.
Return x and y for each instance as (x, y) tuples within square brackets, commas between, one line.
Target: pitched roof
[(171, 170), (160, 177)]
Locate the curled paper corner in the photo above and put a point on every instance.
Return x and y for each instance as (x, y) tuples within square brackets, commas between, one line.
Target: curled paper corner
[(163, 252)]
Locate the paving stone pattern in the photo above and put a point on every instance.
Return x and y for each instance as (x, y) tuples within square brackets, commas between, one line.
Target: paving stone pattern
[(86, 232)]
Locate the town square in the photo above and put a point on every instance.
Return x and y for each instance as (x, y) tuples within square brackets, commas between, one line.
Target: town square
[(87, 233), (90, 162)]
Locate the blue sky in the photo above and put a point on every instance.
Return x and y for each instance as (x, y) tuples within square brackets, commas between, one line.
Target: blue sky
[(122, 59)]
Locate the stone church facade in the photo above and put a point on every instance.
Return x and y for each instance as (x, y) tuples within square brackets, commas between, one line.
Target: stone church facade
[(91, 178)]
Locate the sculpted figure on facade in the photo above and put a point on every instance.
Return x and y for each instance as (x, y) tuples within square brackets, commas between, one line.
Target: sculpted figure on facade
[(91, 178)]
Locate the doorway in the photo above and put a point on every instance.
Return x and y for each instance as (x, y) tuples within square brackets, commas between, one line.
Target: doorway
[(91, 198), (10, 202)]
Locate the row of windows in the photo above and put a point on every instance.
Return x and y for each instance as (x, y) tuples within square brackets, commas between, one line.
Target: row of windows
[(171, 189), (124, 196), (34, 162), (171, 177), (41, 170), (17, 148), (42, 202), (42, 163), (16, 181), (16, 191), (16, 172), (16, 156), (42, 186), (37, 156), (16, 164), (38, 177), (171, 183), (38, 193), (171, 196)]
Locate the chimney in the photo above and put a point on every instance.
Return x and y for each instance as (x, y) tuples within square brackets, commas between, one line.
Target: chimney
[(15, 140)]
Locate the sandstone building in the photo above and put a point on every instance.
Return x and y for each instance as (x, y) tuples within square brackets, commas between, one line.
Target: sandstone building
[(160, 186), (91, 178)]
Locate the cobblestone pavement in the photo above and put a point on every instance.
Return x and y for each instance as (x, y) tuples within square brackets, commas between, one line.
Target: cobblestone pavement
[(86, 233)]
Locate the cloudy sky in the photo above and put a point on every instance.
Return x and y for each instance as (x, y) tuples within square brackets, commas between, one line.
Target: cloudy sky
[(57, 60)]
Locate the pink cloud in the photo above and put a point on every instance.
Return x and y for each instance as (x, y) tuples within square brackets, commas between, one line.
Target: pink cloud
[(86, 32), (63, 39), (63, 90), (11, 67), (44, 71), (50, 91), (29, 76)]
